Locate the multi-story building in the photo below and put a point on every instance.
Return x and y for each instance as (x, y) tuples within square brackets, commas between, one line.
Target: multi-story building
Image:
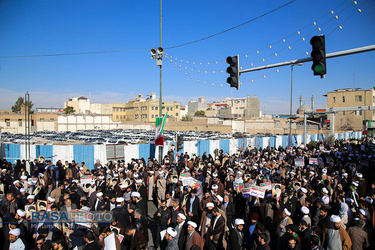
[(118, 112), (183, 111), (349, 97), (16, 123), (200, 105), (147, 109), (229, 108), (246, 107), (83, 105)]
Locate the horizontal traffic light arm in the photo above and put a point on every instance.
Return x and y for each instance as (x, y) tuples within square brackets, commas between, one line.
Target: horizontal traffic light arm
[(309, 59)]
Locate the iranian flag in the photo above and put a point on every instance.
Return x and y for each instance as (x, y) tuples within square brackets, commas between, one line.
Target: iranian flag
[(159, 128)]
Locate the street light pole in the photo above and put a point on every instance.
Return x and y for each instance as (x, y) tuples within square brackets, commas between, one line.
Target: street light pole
[(291, 106), (160, 100), (161, 74)]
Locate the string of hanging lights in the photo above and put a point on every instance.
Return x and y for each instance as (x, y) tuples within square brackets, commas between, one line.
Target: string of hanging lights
[(179, 63)]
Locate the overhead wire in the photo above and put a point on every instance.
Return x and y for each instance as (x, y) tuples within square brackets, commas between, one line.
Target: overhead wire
[(171, 47), (274, 71), (232, 28)]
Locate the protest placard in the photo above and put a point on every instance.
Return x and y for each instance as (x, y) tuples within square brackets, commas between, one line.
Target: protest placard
[(313, 161), (299, 162), (297, 185), (266, 185), (120, 237), (276, 190), (184, 175), (238, 186), (82, 218), (197, 184), (110, 242), (174, 178), (188, 181), (41, 205), (115, 230), (33, 180), (86, 179), (257, 191), (246, 191)]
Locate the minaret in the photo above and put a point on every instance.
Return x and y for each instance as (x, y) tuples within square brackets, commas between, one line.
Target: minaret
[(312, 102), (300, 100)]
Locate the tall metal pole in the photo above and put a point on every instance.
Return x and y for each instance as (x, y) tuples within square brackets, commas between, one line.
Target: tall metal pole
[(161, 73), (28, 127), (304, 129), (26, 124), (309, 59), (291, 106)]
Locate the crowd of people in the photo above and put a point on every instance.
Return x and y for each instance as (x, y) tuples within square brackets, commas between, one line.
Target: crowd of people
[(319, 196)]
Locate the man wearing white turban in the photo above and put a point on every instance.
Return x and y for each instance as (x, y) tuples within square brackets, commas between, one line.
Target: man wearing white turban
[(336, 237)]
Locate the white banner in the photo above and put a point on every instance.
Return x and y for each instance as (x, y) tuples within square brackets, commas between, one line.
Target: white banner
[(257, 191)]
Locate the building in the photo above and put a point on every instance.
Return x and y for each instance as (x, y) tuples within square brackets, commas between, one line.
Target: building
[(183, 111), (350, 97), (229, 108), (80, 104), (212, 109), (200, 105), (304, 107), (83, 105), (118, 112), (49, 110), (147, 109), (246, 107), (16, 123)]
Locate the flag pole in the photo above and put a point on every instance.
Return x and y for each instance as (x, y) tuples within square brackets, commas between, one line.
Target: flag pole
[(160, 100)]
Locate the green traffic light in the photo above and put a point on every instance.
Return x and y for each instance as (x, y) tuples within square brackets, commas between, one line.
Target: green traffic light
[(318, 69)]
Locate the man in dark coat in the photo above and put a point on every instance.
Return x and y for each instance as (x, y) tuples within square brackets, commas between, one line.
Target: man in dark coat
[(99, 204), (137, 240), (230, 210), (236, 237), (121, 212), (76, 234), (141, 223), (89, 238), (304, 234), (358, 236), (181, 229), (192, 207), (216, 230)]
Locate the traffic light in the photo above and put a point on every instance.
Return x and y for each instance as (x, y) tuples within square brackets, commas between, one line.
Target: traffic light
[(234, 71), (179, 143), (318, 55)]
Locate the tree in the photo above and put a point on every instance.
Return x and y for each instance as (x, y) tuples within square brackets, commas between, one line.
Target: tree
[(20, 104), (187, 118), (199, 113), (69, 110)]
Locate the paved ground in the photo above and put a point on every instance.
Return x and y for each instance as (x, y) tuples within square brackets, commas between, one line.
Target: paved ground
[(151, 211)]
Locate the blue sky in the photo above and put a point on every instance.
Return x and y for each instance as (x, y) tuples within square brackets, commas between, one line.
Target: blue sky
[(48, 27)]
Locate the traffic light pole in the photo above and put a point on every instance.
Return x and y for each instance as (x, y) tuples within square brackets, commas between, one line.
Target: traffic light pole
[(291, 105), (309, 59)]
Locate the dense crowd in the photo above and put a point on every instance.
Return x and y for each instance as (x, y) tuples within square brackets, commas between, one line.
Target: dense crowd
[(317, 196)]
